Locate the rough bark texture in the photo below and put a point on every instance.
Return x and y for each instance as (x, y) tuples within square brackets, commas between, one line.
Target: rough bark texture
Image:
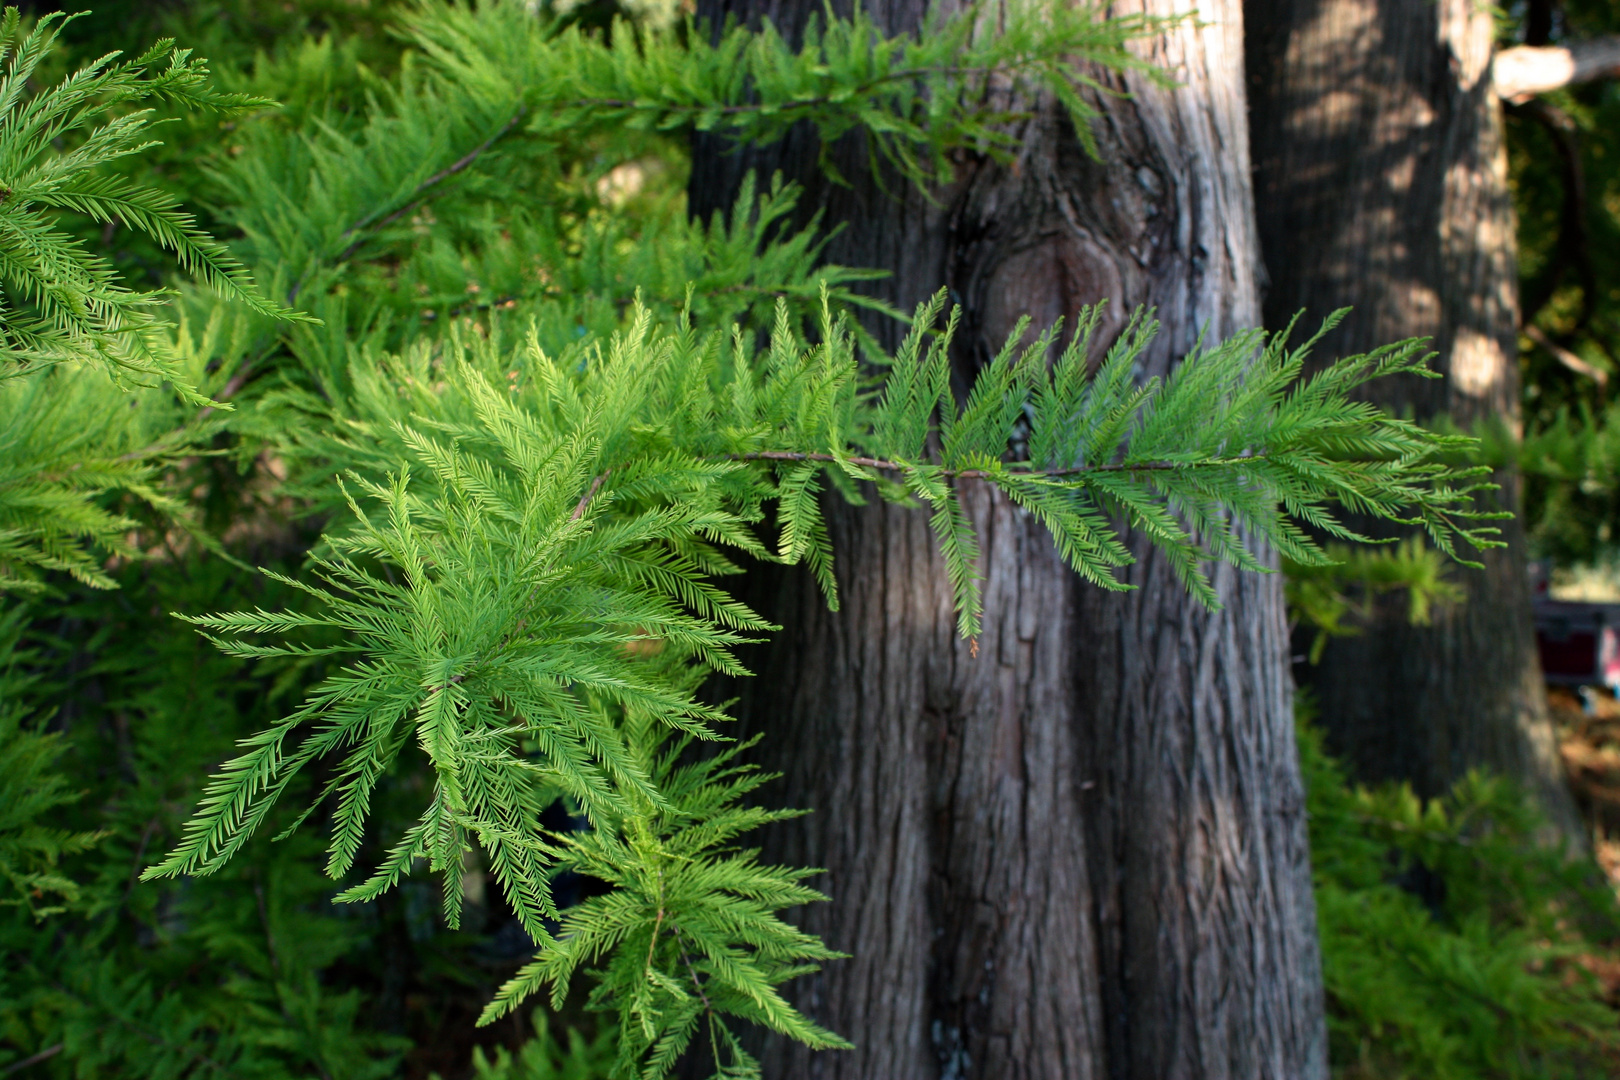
[(1381, 183), (1075, 848)]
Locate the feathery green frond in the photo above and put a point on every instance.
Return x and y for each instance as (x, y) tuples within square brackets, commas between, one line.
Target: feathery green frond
[(71, 442), (524, 585), (60, 302), (689, 936)]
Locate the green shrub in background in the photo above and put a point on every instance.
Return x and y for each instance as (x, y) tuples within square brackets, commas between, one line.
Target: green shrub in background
[(32, 793), (544, 1058), (1452, 937), (1330, 599)]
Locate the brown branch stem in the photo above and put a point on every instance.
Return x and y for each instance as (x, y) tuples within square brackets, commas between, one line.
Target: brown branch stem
[(1566, 357), (232, 385), (371, 222), (32, 1059), (590, 493), (1526, 70), (796, 105), (957, 474), (986, 474), (697, 984), (1573, 250), (658, 923)]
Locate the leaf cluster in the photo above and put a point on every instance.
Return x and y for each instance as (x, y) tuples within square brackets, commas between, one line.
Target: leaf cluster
[(248, 973), (690, 928), (62, 303), (1231, 452), (913, 96), (543, 1058), (70, 444), (528, 593), (30, 789), (1571, 464), (1333, 599)]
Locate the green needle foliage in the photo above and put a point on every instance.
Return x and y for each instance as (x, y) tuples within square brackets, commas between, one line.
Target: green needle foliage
[(914, 96), (71, 440), (542, 1058), (500, 93), (690, 926), (1452, 936), (30, 788), (1331, 598), (64, 444), (1231, 450), (532, 600), (62, 303)]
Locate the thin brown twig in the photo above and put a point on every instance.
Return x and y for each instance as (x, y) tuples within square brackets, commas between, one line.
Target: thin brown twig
[(986, 474), (697, 984), (959, 474), (1573, 250), (264, 924), (370, 222), (590, 493), (796, 105), (657, 923), (32, 1059), (1565, 356), (1017, 64), (140, 853), (232, 385)]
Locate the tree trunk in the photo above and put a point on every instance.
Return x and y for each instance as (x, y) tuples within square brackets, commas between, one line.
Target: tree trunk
[(1381, 183), (1074, 848)]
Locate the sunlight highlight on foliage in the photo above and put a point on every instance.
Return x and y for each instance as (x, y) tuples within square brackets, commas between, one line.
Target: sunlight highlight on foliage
[(64, 304)]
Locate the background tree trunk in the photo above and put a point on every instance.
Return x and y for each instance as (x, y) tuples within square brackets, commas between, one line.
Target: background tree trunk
[(1074, 848), (1381, 182)]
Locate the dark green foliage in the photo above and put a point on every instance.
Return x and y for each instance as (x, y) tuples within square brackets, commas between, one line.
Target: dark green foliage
[(1451, 935), (69, 437), (31, 792), (542, 1058), (1572, 468), (218, 976), (1569, 233), (67, 441), (690, 924), (1332, 598)]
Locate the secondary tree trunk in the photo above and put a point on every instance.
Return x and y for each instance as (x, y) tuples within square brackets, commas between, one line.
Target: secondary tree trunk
[(1075, 848), (1381, 183)]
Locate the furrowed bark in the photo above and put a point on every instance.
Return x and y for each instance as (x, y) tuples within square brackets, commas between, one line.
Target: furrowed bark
[(1074, 848)]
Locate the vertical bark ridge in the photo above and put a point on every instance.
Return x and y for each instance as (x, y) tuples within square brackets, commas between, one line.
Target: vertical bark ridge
[(1208, 879)]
